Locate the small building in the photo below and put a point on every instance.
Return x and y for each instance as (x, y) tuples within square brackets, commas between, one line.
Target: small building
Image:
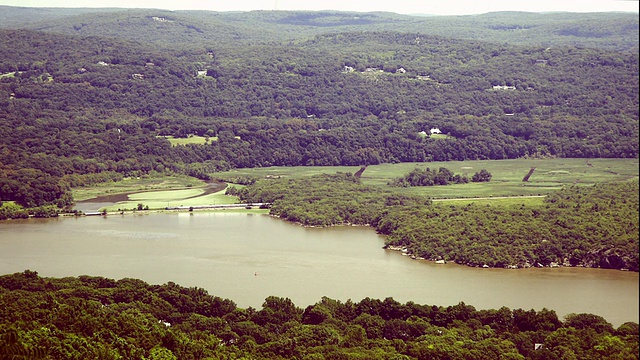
[(401, 71), (348, 69), (137, 76), (503, 87), (435, 131)]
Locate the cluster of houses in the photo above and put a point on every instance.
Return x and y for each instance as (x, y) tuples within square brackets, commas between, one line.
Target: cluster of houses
[(160, 19), (134, 76), (349, 69)]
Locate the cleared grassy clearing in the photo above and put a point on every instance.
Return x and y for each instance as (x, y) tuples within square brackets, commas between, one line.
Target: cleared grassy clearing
[(493, 201), (440, 136), (550, 175), (162, 199), (287, 171), (165, 195), (193, 139), (8, 75), (129, 185)]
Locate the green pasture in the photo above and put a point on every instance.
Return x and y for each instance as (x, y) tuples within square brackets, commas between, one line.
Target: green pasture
[(162, 199), (440, 136), (286, 171), (192, 139), (10, 206), (507, 175), (8, 75), (550, 175), (129, 185), (498, 201), (436, 136)]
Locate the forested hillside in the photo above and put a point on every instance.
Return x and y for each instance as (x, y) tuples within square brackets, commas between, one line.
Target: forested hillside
[(77, 108), (99, 318)]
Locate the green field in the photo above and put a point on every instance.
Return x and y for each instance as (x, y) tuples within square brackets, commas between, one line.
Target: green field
[(550, 175), (130, 185), (162, 199), (8, 75), (192, 139)]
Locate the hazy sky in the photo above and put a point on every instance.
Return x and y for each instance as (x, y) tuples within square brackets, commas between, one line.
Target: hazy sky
[(436, 7)]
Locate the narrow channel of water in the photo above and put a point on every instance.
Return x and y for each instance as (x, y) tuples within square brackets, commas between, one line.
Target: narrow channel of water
[(246, 258)]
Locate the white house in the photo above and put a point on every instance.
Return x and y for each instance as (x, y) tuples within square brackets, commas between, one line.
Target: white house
[(435, 131)]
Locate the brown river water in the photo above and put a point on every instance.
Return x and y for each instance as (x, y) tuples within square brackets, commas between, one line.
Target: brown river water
[(247, 257)]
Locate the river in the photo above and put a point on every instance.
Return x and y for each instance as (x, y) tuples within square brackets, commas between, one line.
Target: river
[(247, 257)]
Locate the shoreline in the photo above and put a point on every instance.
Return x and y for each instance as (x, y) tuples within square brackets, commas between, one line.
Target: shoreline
[(242, 208)]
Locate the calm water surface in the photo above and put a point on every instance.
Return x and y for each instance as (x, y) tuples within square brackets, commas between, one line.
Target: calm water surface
[(246, 258)]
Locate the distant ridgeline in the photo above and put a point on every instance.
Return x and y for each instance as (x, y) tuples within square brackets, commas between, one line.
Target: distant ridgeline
[(90, 94), (89, 317)]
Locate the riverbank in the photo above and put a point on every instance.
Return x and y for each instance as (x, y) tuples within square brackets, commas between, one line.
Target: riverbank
[(238, 208), (218, 250)]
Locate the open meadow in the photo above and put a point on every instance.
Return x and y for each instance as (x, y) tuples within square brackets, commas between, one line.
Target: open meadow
[(507, 175), (131, 185), (168, 198), (506, 185), (192, 139)]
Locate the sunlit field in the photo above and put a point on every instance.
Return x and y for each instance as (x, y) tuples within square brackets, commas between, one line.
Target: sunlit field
[(130, 185), (507, 175), (193, 139), (169, 198), (506, 181)]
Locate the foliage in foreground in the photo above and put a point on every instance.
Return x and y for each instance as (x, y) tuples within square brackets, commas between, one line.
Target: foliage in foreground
[(99, 318), (578, 226)]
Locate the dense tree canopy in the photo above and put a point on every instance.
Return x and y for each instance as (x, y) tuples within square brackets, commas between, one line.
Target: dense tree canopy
[(99, 318)]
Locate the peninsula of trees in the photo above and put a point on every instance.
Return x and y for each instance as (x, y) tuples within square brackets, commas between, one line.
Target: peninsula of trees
[(578, 226)]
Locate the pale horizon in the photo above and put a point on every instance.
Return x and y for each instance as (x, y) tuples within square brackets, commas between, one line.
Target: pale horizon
[(427, 7)]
